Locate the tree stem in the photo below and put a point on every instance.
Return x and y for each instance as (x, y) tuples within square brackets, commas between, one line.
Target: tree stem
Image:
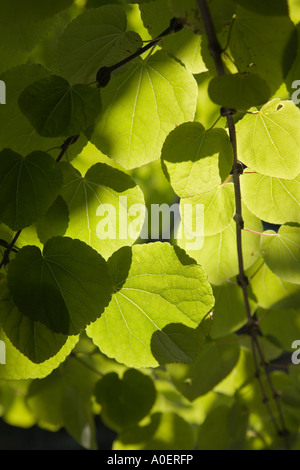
[(242, 279)]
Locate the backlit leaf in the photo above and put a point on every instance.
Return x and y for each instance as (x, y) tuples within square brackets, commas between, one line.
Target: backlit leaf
[(273, 200), (261, 44), (19, 367), (213, 255), (95, 39), (269, 139), (141, 106), (281, 252), (153, 288), (196, 160), (218, 210), (112, 205)]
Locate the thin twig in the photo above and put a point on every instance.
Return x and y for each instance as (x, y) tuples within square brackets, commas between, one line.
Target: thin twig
[(7, 252), (104, 73), (261, 233)]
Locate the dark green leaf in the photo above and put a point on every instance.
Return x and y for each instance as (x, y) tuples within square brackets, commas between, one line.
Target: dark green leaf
[(125, 401), (212, 365), (55, 108), (28, 186), (55, 221), (239, 91), (165, 431), (224, 429), (64, 288), (267, 7), (31, 338)]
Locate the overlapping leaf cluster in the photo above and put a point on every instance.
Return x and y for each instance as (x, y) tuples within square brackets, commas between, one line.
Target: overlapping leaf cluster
[(149, 335)]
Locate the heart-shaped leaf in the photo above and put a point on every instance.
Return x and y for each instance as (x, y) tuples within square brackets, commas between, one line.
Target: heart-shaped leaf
[(55, 108), (154, 286), (28, 186), (269, 139), (65, 288)]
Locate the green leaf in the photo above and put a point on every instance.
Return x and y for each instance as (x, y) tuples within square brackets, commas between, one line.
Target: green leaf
[(55, 108), (154, 287), (229, 311), (268, 7), (9, 60), (95, 39), (272, 292), (280, 326), (165, 431), (19, 367), (218, 210), (224, 429), (214, 362), (260, 44), (141, 106), (16, 132), (55, 221), (65, 288), (273, 200), (292, 77), (207, 112), (269, 140), (196, 160), (28, 187), (76, 404), (218, 255), (22, 36), (44, 400), (239, 91), (113, 206), (281, 252), (184, 45), (125, 401), (79, 419), (243, 373), (63, 399), (179, 343), (221, 12), (31, 338), (31, 10)]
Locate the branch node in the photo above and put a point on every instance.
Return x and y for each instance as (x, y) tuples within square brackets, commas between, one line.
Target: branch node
[(69, 141), (276, 395), (238, 218), (227, 111), (103, 77), (252, 328), (238, 167), (5, 259), (176, 25), (283, 432), (215, 49)]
